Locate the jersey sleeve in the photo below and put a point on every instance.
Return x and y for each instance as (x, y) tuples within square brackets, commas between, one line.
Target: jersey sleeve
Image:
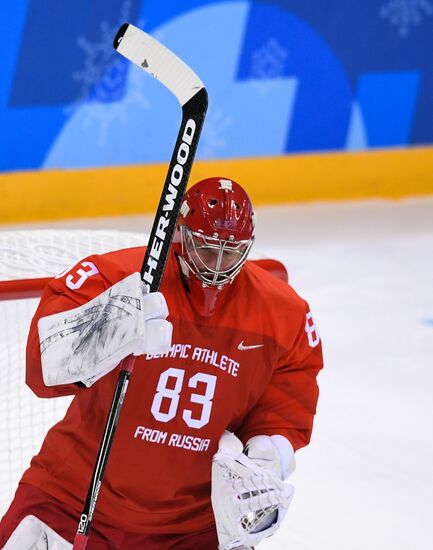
[(74, 287), (288, 404)]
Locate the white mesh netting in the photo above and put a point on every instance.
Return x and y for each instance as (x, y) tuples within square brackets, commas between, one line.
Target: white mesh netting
[(24, 418)]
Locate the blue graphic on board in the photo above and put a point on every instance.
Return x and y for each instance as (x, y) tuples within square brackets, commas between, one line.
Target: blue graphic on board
[(316, 123), (380, 97), (285, 76), (143, 125), (357, 133)]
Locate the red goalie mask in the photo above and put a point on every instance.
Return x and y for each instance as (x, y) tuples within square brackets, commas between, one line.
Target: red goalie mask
[(214, 236)]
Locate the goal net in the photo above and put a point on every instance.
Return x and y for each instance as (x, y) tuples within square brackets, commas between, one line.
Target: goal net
[(27, 260)]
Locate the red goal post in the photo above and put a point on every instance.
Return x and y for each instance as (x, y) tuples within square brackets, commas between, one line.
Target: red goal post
[(29, 259), (22, 288)]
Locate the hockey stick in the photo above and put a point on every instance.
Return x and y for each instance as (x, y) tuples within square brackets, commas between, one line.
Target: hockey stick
[(164, 65)]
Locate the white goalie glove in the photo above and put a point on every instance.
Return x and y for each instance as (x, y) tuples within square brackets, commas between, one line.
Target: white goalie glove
[(85, 343), (249, 496)]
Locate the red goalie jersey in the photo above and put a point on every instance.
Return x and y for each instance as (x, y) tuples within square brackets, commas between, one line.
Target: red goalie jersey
[(250, 368)]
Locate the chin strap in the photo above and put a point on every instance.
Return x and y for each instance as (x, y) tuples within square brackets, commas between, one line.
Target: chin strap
[(203, 298)]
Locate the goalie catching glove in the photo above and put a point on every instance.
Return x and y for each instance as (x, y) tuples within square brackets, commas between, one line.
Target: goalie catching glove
[(249, 496), (85, 343)]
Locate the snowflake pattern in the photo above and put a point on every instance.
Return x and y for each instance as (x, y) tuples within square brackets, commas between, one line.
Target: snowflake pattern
[(103, 81), (404, 13), (103, 74), (268, 63), (103, 115)]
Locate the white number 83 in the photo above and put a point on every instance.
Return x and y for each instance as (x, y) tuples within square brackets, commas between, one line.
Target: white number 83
[(171, 396)]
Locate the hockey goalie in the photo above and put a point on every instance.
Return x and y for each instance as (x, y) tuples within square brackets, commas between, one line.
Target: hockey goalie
[(222, 395)]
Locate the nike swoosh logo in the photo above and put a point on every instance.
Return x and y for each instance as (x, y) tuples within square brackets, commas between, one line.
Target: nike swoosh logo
[(242, 347)]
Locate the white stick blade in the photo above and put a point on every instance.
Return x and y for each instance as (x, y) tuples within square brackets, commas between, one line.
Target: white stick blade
[(158, 61)]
